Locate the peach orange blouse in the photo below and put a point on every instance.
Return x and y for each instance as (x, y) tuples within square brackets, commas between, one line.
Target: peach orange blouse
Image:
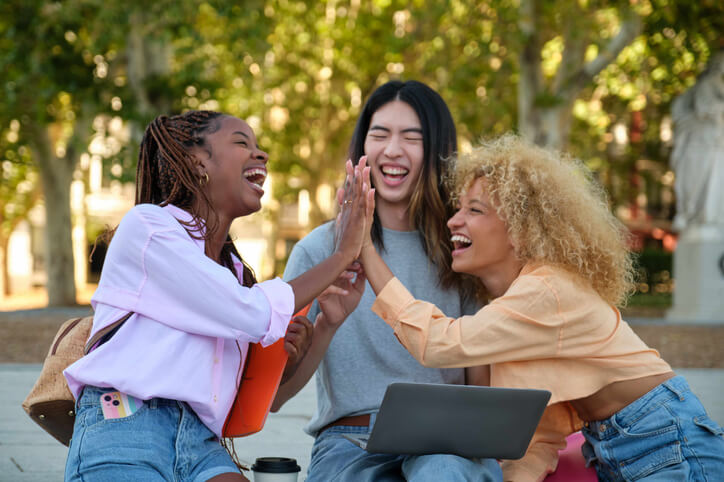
[(550, 330)]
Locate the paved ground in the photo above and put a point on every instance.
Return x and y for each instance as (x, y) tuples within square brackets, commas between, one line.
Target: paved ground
[(28, 454)]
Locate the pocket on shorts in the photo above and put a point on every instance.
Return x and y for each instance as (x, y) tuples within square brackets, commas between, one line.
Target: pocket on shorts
[(710, 425), (662, 456), (95, 419), (648, 445)]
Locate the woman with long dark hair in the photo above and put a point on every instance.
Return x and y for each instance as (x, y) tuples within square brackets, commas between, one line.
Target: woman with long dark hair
[(406, 134)]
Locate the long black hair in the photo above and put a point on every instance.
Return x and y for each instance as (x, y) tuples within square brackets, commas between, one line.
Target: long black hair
[(430, 206)]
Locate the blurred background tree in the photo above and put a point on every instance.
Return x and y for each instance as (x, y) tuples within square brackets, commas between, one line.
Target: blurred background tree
[(19, 191), (595, 77)]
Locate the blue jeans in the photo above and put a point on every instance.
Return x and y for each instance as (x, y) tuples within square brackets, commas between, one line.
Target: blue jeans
[(336, 459), (163, 440), (665, 435)]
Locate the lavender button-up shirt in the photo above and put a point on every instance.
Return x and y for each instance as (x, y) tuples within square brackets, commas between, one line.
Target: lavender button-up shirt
[(189, 312)]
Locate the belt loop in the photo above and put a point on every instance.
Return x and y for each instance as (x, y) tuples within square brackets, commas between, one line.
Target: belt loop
[(672, 385)]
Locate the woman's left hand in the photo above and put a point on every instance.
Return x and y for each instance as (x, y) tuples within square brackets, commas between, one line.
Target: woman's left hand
[(297, 341)]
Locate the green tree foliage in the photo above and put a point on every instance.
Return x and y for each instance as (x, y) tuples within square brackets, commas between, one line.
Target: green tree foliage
[(51, 90), (65, 64), (565, 73)]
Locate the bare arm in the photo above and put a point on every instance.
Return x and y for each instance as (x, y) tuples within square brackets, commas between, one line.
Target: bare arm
[(377, 271)]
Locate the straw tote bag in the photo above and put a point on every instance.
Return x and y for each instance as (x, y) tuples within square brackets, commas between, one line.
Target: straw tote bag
[(50, 403)]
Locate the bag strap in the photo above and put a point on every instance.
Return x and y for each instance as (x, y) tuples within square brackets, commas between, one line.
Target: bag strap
[(104, 334), (60, 336)]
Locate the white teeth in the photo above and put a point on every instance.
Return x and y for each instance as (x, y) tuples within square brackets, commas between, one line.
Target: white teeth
[(394, 171), (251, 175), (256, 171), (459, 238)]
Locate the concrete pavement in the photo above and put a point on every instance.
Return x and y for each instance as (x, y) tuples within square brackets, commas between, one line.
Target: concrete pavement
[(28, 454)]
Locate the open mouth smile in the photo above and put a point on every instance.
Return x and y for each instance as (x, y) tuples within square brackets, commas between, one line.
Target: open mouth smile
[(256, 177), (394, 175), (460, 242)]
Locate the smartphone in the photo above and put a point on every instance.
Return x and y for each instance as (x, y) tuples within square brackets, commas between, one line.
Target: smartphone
[(119, 405)]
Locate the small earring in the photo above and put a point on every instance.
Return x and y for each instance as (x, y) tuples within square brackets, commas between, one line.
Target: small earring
[(204, 180)]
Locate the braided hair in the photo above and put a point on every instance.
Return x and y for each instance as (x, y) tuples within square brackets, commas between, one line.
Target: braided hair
[(166, 174)]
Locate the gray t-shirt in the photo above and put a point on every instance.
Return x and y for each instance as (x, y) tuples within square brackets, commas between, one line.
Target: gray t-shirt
[(364, 355)]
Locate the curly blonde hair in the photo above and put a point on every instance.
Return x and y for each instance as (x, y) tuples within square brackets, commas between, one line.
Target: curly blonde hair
[(554, 210)]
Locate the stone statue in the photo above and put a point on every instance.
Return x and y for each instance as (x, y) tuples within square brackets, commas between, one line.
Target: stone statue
[(698, 154)]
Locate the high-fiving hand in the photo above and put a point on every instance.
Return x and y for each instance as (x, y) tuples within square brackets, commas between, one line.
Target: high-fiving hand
[(356, 200)]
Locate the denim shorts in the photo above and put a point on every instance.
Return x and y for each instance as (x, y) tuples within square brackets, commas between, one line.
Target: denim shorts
[(336, 459), (161, 440), (665, 435)]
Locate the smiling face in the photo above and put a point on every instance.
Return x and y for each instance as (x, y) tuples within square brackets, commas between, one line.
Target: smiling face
[(480, 238), (236, 168), (394, 149)]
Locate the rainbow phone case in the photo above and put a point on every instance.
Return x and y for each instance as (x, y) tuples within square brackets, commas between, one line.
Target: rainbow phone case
[(119, 405)]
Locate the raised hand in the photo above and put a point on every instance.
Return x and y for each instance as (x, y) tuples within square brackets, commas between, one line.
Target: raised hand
[(352, 225)]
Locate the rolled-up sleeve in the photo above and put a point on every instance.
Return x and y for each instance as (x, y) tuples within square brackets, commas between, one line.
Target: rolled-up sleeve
[(280, 295)]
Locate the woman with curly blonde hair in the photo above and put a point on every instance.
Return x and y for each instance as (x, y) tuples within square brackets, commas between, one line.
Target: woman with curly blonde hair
[(554, 211), (537, 231)]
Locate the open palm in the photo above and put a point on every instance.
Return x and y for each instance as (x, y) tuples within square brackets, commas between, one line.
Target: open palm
[(342, 297)]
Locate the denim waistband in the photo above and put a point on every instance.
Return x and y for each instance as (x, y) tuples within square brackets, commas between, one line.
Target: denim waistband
[(671, 389), (91, 395)]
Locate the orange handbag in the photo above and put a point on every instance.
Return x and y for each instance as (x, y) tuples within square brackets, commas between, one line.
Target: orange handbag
[(259, 384)]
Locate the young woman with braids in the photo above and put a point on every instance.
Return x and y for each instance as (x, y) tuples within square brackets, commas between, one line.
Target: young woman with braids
[(174, 365)]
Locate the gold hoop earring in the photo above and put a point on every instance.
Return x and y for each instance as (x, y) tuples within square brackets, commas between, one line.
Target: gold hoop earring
[(204, 180)]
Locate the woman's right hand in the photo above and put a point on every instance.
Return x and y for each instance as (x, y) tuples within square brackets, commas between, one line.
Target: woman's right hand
[(352, 224), (340, 299)]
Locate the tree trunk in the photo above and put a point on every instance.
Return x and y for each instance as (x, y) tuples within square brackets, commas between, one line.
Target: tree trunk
[(545, 111), (56, 174), (6, 275), (147, 56)]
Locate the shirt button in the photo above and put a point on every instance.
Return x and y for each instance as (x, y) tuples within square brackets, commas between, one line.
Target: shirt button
[(216, 360), (215, 399)]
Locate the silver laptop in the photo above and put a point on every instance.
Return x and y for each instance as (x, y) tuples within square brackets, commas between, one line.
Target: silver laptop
[(471, 421)]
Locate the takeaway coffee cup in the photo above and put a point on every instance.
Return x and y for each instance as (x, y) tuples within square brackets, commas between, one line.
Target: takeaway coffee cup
[(275, 469)]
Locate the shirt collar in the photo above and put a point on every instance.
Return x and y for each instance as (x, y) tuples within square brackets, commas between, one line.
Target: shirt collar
[(186, 217)]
